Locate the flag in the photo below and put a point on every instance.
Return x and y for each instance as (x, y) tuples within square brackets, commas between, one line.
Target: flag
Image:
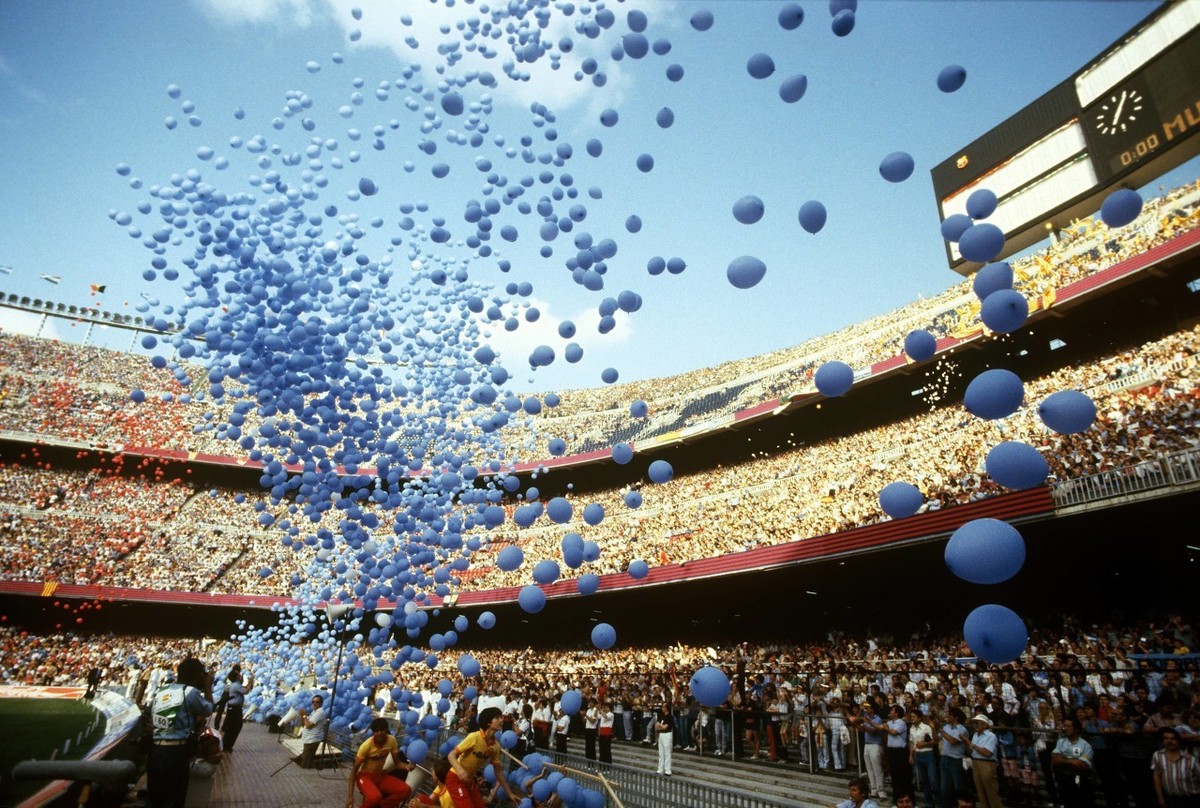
[(5, 270), (98, 288), (55, 279)]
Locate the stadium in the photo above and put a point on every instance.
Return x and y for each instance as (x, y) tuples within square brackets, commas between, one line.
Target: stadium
[(766, 551)]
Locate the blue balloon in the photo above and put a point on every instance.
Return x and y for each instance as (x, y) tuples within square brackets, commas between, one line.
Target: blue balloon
[(609, 375), (638, 569), (573, 352), (674, 72), (995, 393), (1067, 412), (507, 739), (637, 21), (510, 558), (834, 379), (665, 118), (531, 599), (981, 242), (622, 453), (710, 686), (593, 513), (1004, 311), (486, 620), (896, 167), (416, 751), (760, 66), (900, 500), (702, 20), (981, 204), (920, 345), (995, 634), (633, 223), (559, 510), (745, 272), (793, 88), (633, 499), (985, 551), (452, 104), (604, 636), (951, 78), (545, 572), (812, 216), (660, 471), (594, 147), (639, 409), (588, 583), (571, 701), (954, 225), (645, 163), (367, 187), (468, 666), (609, 117), (790, 16), (992, 278), (1121, 207), (748, 210), (843, 22), (635, 45), (1017, 465)]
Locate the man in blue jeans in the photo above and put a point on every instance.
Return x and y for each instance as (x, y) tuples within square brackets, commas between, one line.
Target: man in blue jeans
[(953, 737), (922, 756)]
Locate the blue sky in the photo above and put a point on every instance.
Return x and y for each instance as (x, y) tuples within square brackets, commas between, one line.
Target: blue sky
[(83, 88)]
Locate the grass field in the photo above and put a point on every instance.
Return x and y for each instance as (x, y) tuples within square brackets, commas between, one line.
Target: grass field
[(62, 729)]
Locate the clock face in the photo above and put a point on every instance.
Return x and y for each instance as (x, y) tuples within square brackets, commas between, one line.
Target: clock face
[(1118, 113)]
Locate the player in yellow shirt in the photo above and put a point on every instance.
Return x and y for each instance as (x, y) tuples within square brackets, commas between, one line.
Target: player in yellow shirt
[(379, 788), (470, 756)]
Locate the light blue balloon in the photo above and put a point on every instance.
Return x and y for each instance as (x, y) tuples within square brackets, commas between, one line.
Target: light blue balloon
[(604, 636), (571, 701), (638, 569), (588, 583), (510, 558), (545, 572), (710, 686)]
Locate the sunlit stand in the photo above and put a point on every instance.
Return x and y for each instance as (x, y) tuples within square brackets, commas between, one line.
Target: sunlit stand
[(333, 613)]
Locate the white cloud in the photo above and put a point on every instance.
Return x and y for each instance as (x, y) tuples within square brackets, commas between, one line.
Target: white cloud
[(514, 347), (295, 12)]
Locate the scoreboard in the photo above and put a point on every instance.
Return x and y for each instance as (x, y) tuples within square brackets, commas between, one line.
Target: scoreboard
[(1130, 115)]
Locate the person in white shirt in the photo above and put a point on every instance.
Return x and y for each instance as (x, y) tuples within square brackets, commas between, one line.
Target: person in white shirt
[(605, 732), (562, 725), (312, 731)]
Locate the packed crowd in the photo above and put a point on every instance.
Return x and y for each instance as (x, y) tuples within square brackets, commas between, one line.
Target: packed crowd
[(81, 393), (813, 703), (145, 530)]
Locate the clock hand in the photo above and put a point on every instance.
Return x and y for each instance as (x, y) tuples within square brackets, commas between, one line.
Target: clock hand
[(1120, 106)]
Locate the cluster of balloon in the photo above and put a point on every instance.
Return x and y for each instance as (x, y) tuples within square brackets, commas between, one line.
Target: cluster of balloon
[(347, 353), (987, 551)]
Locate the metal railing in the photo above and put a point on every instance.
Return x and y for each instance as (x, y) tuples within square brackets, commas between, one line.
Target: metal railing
[(1175, 469)]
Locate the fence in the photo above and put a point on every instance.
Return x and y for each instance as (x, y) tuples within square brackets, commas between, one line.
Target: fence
[(1175, 469)]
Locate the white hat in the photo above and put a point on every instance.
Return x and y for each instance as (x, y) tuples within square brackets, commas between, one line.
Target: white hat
[(983, 718)]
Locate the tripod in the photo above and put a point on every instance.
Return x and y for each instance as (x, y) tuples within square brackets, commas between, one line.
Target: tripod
[(323, 748)]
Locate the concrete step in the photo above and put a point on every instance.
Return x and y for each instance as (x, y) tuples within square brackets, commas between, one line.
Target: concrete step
[(791, 784)]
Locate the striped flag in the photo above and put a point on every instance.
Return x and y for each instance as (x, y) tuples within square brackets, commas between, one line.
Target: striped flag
[(55, 279), (48, 588)]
